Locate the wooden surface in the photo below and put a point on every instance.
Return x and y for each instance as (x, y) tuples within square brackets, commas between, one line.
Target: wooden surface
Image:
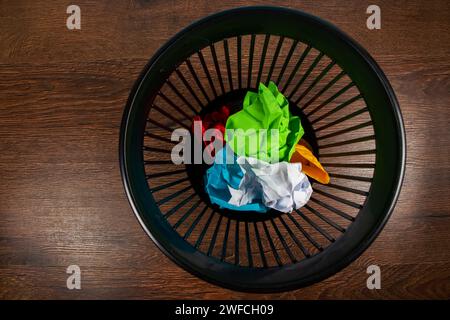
[(62, 94)]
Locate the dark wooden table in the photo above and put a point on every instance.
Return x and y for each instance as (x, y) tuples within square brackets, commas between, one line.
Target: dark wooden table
[(62, 94)]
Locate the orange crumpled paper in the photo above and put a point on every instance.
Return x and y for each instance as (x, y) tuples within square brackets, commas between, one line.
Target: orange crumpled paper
[(310, 165)]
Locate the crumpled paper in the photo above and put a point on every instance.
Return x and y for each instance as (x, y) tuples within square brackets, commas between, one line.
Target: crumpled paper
[(223, 178), (267, 109), (250, 184), (310, 165), (280, 186)]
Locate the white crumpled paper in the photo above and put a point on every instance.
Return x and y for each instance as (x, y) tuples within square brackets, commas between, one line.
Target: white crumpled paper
[(281, 186)]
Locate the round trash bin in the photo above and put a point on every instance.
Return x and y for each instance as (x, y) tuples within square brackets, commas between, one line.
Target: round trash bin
[(352, 122)]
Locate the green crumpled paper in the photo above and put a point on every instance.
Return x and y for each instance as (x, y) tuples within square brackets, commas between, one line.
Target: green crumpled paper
[(267, 109)]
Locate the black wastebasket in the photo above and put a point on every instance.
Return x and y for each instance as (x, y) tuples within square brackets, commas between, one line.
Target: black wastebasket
[(349, 112)]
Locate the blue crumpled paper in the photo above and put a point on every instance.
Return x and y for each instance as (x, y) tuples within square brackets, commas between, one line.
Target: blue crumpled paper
[(222, 175)]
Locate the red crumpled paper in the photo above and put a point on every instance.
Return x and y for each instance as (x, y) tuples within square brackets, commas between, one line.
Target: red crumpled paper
[(216, 120)]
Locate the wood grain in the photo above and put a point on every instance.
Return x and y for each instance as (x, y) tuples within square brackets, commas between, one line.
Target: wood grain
[(61, 197)]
